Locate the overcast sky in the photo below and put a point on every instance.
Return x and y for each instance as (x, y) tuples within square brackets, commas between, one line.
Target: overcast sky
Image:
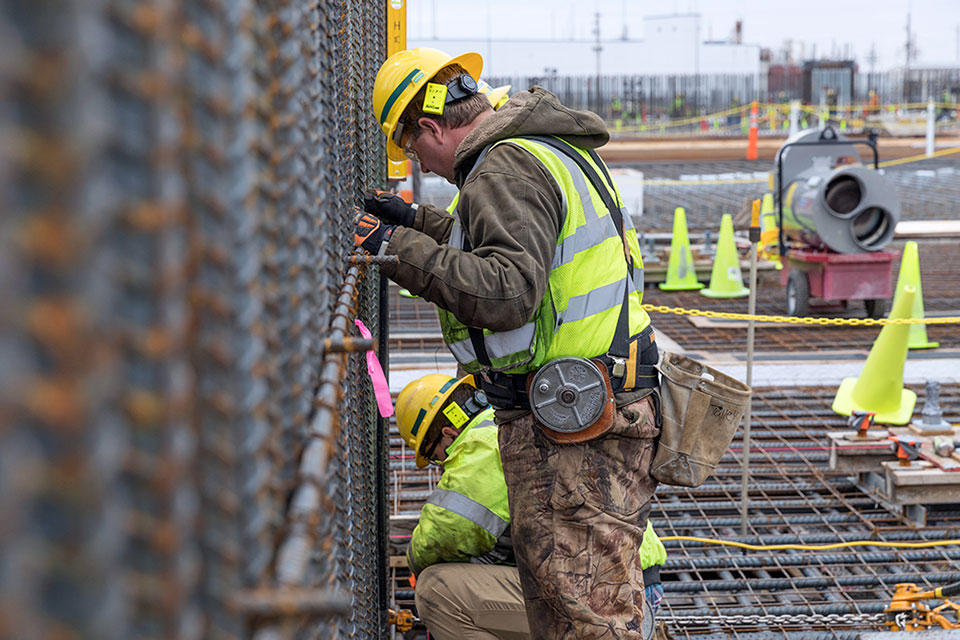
[(828, 24)]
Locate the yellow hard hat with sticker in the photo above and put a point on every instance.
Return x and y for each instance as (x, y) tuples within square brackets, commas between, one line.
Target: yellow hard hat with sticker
[(401, 77), (496, 95), (420, 401)]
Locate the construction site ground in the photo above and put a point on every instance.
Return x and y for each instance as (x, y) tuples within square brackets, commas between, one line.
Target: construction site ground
[(714, 591)]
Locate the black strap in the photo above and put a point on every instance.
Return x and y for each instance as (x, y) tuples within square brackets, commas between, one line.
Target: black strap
[(476, 335), (619, 346), (476, 339), (651, 575)]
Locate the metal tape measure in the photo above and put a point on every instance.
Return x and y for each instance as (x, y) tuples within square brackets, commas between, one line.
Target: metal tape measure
[(568, 394)]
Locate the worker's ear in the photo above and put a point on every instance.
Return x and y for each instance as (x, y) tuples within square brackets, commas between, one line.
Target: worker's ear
[(450, 431), (431, 126)]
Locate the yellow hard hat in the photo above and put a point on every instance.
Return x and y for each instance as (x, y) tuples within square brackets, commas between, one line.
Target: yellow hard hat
[(418, 404), (496, 95), (400, 78)]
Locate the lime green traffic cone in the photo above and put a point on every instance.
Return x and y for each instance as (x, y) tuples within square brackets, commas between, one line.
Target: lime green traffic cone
[(726, 281), (880, 385), (910, 276), (768, 217), (681, 276)]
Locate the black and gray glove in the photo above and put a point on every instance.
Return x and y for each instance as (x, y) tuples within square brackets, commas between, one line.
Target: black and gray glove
[(390, 208), (370, 233)]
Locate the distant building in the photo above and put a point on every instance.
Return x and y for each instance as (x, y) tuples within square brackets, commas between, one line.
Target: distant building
[(830, 82), (672, 45)]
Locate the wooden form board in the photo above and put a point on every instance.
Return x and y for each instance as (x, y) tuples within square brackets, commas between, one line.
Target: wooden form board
[(922, 483), (853, 455)]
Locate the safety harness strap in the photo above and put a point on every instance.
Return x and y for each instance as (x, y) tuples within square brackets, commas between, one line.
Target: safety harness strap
[(618, 346)]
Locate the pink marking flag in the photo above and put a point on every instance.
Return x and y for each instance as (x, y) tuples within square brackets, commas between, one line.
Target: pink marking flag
[(380, 388)]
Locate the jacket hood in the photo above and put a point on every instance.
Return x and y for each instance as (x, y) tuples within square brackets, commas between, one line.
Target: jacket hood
[(533, 112)]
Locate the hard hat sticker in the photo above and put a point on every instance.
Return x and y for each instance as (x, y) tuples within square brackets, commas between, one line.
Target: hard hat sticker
[(455, 415), (435, 98)]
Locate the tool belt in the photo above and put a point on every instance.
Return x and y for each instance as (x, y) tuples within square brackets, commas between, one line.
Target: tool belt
[(509, 391)]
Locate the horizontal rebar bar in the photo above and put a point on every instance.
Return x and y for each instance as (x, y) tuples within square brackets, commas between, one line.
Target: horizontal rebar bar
[(833, 634), (789, 519), (368, 259), (789, 610), (760, 503), (347, 344), (771, 584), (788, 560), (290, 602), (820, 538)]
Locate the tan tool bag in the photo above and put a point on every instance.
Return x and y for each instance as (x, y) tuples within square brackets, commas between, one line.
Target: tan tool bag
[(701, 410)]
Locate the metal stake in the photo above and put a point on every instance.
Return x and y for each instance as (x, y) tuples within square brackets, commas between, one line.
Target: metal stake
[(745, 479)]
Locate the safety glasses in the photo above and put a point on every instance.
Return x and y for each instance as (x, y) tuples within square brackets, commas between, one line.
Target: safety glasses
[(406, 146), (429, 452)]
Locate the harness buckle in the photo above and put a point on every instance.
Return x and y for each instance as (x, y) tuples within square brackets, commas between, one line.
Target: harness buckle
[(619, 367)]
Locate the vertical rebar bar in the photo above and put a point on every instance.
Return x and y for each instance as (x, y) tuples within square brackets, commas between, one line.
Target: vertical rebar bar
[(747, 419)]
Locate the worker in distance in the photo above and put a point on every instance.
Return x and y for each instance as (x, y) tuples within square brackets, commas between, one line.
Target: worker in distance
[(467, 584), (538, 279)]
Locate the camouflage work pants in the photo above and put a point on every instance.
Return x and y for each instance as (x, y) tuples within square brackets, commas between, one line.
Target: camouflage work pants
[(577, 516)]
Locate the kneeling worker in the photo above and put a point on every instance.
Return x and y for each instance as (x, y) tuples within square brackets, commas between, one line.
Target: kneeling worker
[(467, 586)]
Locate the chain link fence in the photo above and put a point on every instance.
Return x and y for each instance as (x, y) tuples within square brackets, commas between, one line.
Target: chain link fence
[(186, 447), (649, 98)]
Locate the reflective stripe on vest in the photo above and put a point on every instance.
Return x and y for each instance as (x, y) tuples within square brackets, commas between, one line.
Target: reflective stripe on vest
[(470, 509), (578, 313)]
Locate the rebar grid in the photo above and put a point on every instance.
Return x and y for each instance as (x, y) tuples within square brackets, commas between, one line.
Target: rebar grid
[(938, 261), (794, 499), (180, 457)]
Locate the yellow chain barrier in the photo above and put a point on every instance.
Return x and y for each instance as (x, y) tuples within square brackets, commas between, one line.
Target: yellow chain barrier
[(847, 111), (864, 322), (918, 158)]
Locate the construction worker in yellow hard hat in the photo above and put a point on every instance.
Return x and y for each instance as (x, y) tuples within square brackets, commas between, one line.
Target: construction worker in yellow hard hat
[(497, 96), (374, 199), (538, 270), (404, 74), (461, 550)]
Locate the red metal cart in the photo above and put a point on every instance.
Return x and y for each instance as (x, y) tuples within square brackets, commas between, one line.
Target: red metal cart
[(837, 277)]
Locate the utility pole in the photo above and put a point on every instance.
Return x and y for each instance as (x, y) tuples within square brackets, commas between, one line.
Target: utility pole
[(908, 48), (623, 19), (597, 48), (908, 54)]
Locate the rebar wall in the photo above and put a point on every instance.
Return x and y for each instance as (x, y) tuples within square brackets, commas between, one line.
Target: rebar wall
[(187, 448)]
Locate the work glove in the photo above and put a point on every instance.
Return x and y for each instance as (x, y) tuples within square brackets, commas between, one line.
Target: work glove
[(389, 208), (370, 233)]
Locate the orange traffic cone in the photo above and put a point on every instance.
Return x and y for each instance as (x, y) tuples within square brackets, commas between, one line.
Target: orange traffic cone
[(754, 132)]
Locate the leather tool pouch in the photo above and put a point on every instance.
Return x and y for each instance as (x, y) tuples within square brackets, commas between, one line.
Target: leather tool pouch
[(701, 409)]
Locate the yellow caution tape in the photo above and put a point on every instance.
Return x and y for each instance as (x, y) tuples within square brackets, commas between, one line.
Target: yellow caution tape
[(867, 322), (816, 547)]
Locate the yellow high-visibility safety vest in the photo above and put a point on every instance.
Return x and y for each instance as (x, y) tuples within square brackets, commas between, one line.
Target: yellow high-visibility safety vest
[(580, 308)]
